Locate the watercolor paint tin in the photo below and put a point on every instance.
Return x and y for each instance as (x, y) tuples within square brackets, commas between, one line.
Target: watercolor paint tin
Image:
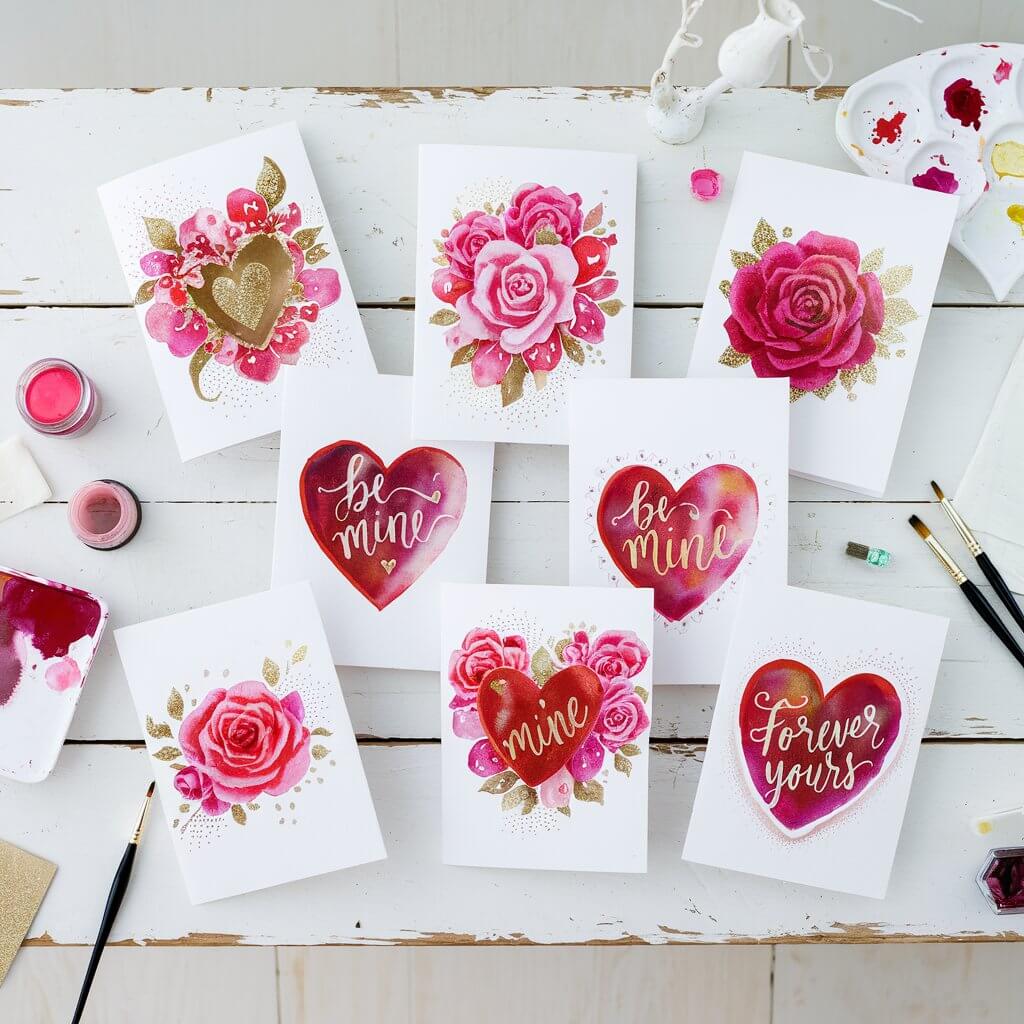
[(49, 633), (951, 120), (54, 397)]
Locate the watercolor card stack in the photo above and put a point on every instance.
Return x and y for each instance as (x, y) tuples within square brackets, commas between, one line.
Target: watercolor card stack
[(680, 486), (825, 280), (255, 761), (236, 276), (815, 737), (524, 285), (546, 716)]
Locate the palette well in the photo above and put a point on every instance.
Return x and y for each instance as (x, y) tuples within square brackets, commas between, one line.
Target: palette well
[(951, 120), (49, 633)]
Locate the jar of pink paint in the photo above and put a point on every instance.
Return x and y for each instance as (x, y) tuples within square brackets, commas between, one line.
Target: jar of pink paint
[(104, 514), (54, 397)]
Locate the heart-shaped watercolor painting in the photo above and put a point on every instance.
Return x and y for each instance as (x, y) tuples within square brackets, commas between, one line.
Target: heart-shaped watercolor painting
[(382, 525), (533, 729), (683, 543), (810, 754)]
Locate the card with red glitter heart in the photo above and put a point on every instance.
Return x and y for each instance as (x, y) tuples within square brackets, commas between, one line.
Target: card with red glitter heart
[(815, 737), (680, 486), (546, 714)]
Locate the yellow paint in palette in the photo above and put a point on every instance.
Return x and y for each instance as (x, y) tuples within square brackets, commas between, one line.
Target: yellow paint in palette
[(1016, 214), (1008, 159)]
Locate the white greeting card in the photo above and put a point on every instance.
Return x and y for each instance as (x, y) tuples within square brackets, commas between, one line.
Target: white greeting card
[(524, 284), (251, 746), (680, 486), (826, 280), (374, 520), (546, 705), (816, 733), (235, 274)]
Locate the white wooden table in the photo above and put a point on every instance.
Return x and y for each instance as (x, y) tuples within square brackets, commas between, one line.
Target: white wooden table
[(207, 527)]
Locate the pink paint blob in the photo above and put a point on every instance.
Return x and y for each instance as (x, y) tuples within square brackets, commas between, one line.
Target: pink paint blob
[(54, 397), (705, 184), (964, 103), (104, 514), (1002, 72), (889, 129), (936, 180), (63, 675)]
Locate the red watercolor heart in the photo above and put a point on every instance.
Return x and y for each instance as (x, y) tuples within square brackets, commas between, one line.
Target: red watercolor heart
[(646, 526), (382, 526), (535, 730), (852, 729)]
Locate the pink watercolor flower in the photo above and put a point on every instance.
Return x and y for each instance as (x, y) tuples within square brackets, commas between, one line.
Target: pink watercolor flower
[(481, 651), (536, 208), (247, 741), (208, 237), (63, 674), (195, 785), (173, 273), (483, 760), (467, 237), (587, 761), (249, 209), (181, 329), (556, 791), (622, 717), (466, 723), (804, 312), (619, 654)]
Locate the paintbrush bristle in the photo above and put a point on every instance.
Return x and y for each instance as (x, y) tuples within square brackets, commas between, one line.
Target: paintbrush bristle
[(938, 491), (149, 792), (922, 530)]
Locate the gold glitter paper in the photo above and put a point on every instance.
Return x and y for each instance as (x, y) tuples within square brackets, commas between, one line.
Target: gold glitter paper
[(24, 880), (238, 813), (795, 394), (848, 378), (245, 300), (175, 705), (162, 234), (725, 287), (764, 237), (872, 263), (826, 389), (271, 184), (730, 357), (271, 672), (742, 259), (899, 312), (145, 292), (895, 279), (305, 237), (319, 752)]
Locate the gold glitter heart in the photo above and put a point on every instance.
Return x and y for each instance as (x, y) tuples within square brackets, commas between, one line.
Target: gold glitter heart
[(388, 565), (246, 300)]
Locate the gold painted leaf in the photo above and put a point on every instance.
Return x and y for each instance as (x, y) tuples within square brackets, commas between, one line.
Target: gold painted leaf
[(826, 389), (630, 749), (299, 654), (869, 372), (622, 764), (547, 237), (319, 752), (899, 312), (764, 237), (512, 382), (881, 349), (540, 378), (612, 307), (306, 237), (317, 253), (725, 286), (238, 813), (599, 231), (890, 335), (499, 783), (175, 706), (177, 767), (730, 357), (522, 796), (872, 263), (167, 753), (162, 234), (271, 672), (252, 807), (564, 810), (573, 349), (158, 730), (795, 394), (642, 693), (561, 646), (591, 792), (464, 355), (444, 318), (541, 666), (594, 217), (441, 260), (742, 259), (321, 731), (895, 279), (271, 184), (489, 207), (145, 292), (848, 378), (200, 358)]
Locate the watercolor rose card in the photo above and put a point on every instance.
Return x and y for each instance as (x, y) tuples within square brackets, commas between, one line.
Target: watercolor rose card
[(374, 520), (816, 733), (546, 715), (235, 275), (825, 280), (524, 285), (250, 743), (680, 486)]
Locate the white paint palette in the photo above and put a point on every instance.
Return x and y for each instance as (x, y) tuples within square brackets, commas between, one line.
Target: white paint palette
[(951, 120)]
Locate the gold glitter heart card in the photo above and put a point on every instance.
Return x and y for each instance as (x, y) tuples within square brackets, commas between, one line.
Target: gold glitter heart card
[(24, 879), (235, 276)]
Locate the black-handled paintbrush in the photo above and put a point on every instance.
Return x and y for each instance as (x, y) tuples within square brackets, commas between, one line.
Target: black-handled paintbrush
[(969, 590), (117, 890), (1002, 591)]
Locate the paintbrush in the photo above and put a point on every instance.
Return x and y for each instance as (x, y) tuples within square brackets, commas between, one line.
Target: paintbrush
[(969, 590), (1003, 592), (117, 890)]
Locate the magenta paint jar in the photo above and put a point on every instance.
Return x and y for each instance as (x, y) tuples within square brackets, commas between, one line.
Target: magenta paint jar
[(54, 397), (104, 514)]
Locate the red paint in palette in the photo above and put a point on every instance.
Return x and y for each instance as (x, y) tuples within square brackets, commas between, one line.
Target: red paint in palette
[(889, 129), (56, 398)]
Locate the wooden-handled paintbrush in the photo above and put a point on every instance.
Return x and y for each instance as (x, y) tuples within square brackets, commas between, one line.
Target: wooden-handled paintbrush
[(999, 585)]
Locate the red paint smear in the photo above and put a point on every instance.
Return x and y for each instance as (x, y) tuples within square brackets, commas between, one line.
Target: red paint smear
[(889, 129), (964, 103), (1002, 71), (936, 180)]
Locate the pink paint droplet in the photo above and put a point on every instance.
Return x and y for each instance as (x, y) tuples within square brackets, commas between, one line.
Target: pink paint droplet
[(63, 675), (889, 129), (937, 180), (1002, 71), (705, 184)]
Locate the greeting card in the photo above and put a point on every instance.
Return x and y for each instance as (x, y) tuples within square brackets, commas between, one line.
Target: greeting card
[(825, 280), (545, 705), (815, 736), (373, 519), (253, 752), (235, 273), (524, 284), (680, 486)]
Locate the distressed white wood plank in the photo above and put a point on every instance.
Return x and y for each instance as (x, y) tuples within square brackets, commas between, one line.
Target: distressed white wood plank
[(961, 983), (77, 818), (222, 551), (55, 247), (158, 986), (965, 355), (727, 985)]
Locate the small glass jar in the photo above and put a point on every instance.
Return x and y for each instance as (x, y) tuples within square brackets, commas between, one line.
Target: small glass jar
[(1001, 879), (54, 397)]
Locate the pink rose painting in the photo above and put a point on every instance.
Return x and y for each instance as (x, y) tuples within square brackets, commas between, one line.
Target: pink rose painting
[(523, 284), (814, 311), (238, 287), (616, 657)]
